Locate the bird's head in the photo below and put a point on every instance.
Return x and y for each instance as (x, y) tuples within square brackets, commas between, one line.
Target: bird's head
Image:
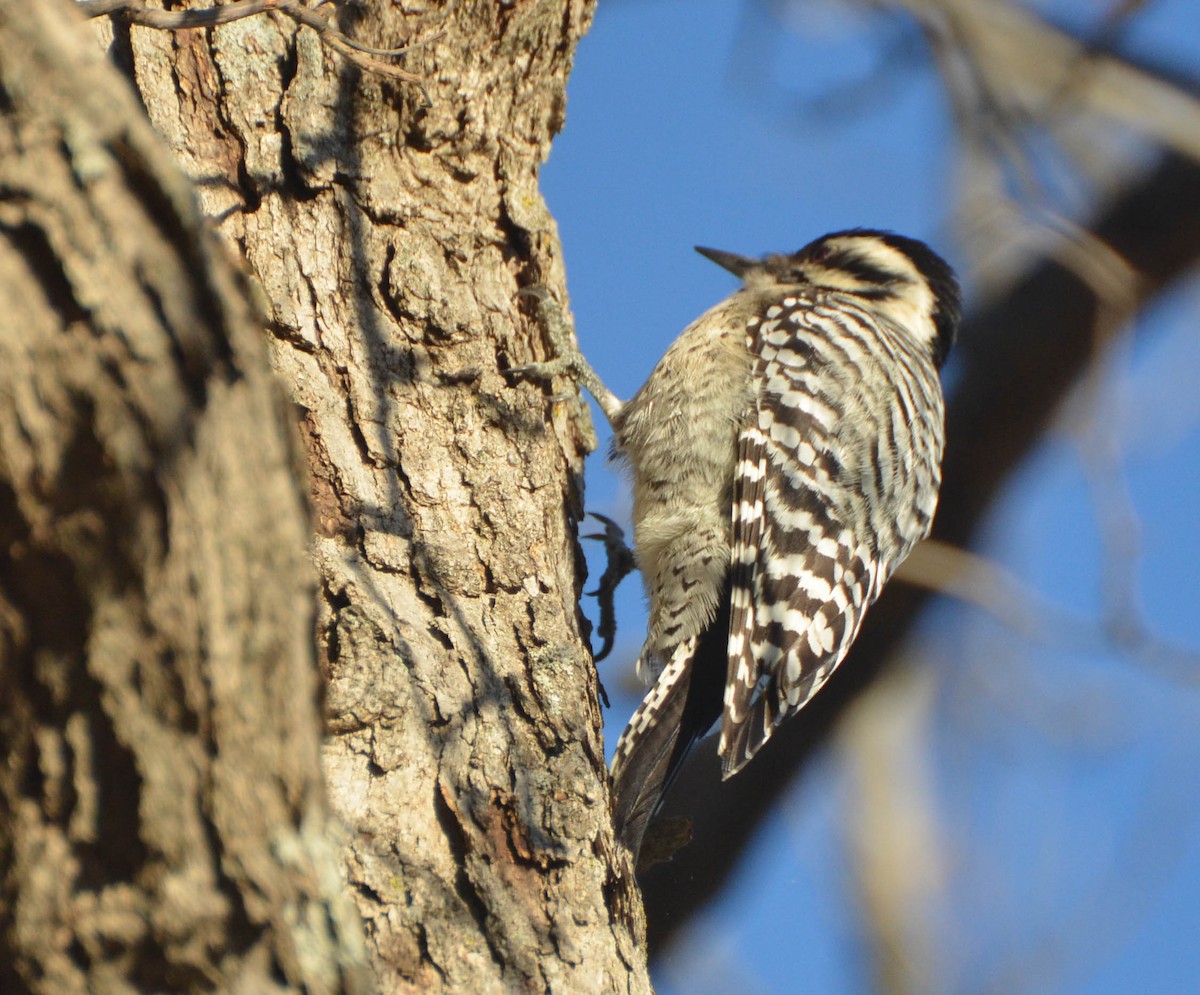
[(900, 277)]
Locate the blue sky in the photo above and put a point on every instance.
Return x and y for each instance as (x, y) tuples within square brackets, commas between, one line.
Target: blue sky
[(1067, 782)]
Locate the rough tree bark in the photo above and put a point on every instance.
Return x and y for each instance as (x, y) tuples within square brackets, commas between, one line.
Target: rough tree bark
[(163, 824), (389, 237)]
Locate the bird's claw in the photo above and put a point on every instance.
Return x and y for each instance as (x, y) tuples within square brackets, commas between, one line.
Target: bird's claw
[(621, 562)]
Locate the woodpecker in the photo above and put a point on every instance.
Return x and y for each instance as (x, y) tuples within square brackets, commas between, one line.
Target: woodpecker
[(786, 457)]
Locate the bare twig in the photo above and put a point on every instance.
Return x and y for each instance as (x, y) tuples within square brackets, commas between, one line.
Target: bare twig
[(390, 53), (322, 24), (136, 12), (356, 53), (974, 579), (1040, 64), (897, 846)]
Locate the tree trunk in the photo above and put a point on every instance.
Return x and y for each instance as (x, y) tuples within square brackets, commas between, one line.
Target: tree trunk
[(162, 819), (389, 237)]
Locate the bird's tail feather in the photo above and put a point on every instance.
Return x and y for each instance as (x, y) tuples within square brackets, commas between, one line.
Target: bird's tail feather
[(679, 709), (647, 747)]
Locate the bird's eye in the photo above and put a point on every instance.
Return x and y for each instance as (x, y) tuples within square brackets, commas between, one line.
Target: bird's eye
[(821, 253)]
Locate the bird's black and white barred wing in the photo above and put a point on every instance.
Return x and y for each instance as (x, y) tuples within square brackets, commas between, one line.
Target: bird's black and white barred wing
[(805, 564)]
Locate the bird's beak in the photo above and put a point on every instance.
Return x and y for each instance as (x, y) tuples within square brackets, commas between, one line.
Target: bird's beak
[(737, 265)]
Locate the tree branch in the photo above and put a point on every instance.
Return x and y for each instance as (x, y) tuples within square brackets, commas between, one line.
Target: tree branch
[(363, 56)]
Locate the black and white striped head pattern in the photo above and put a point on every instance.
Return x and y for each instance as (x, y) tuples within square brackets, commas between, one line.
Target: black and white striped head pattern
[(839, 463), (903, 276)]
